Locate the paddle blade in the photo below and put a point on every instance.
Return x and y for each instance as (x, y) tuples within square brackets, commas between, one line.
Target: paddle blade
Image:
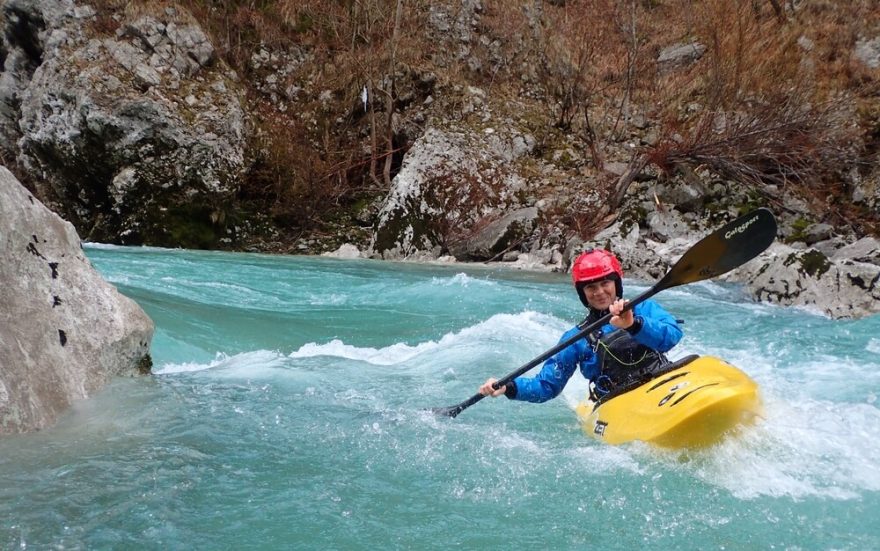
[(451, 411), (726, 248)]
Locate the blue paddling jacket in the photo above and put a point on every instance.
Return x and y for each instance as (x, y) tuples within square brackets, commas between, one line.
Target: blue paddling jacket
[(659, 332)]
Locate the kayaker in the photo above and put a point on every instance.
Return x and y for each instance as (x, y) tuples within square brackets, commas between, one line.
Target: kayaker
[(627, 349)]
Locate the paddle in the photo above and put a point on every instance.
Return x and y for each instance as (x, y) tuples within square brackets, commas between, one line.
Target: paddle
[(730, 246)]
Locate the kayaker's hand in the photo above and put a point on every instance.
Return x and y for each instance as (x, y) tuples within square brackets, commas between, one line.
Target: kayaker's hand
[(487, 390), (621, 320)]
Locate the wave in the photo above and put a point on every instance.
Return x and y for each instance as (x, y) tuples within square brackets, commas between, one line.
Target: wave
[(531, 328), (800, 450), (531, 325), (245, 362), (809, 444), (145, 248), (461, 280)]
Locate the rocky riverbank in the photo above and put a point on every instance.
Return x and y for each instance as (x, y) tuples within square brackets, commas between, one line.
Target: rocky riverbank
[(144, 124)]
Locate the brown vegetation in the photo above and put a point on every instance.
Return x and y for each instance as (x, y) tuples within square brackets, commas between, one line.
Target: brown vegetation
[(776, 98)]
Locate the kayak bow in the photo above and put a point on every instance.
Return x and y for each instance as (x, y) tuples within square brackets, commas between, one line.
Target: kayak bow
[(692, 405)]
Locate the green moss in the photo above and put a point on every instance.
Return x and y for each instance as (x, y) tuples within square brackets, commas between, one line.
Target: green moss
[(304, 23), (798, 227), (361, 204), (812, 263), (631, 214), (753, 200), (145, 365), (815, 264), (800, 224), (712, 209), (185, 226), (191, 228)]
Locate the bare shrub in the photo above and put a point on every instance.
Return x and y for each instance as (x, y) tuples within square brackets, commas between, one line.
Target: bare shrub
[(788, 143), (591, 58), (769, 102), (752, 108), (354, 47), (297, 185)]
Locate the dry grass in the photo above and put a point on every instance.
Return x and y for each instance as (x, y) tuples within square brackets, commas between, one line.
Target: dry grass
[(154, 8), (763, 103), (773, 100)]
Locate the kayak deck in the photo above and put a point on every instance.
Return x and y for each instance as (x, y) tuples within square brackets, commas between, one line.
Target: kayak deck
[(687, 407)]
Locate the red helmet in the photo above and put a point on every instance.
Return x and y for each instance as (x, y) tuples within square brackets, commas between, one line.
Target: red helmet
[(595, 265)]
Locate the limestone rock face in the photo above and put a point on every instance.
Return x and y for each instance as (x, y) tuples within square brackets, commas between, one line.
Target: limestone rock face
[(64, 331), (839, 288), (845, 284), (498, 236), (139, 135), (452, 184), (642, 257)]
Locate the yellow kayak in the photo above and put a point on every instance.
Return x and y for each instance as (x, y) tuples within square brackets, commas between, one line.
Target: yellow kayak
[(691, 405)]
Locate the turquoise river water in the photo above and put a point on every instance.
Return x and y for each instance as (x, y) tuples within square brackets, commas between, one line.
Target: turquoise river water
[(286, 411)]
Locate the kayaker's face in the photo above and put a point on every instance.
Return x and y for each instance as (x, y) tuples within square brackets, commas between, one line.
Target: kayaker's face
[(601, 294)]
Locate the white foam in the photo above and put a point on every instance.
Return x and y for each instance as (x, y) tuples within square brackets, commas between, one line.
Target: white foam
[(245, 362), (538, 327), (331, 299), (390, 355), (609, 460), (800, 450), (112, 247), (460, 280), (104, 246)]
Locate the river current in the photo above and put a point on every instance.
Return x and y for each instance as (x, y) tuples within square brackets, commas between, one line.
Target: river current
[(287, 410)]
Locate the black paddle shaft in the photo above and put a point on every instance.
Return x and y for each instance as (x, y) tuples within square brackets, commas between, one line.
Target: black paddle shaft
[(726, 248)]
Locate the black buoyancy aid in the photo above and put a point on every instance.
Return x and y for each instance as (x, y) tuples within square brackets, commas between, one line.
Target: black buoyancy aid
[(622, 359)]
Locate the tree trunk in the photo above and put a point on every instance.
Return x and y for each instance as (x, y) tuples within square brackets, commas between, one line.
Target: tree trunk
[(389, 156)]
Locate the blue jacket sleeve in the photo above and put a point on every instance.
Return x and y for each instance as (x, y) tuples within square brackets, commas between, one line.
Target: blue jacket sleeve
[(557, 370), (659, 329)]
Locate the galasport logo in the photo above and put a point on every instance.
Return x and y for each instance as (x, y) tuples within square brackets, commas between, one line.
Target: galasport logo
[(600, 428), (741, 228)]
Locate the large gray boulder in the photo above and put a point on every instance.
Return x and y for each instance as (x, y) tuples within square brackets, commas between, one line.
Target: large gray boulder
[(138, 134), (866, 249), (845, 284), (498, 236), (678, 55), (64, 331), (451, 185), (839, 287)]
